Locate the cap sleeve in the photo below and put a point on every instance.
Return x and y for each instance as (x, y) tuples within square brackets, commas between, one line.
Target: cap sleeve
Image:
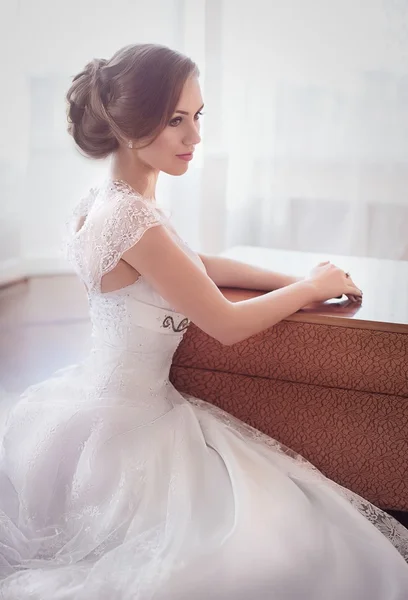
[(124, 227)]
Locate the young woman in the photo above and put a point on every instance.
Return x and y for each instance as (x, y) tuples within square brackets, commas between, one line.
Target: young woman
[(113, 484)]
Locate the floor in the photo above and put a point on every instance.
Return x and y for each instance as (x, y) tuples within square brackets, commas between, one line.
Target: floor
[(44, 326)]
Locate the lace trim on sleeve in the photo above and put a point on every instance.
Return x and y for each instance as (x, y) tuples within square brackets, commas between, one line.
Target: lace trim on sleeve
[(130, 218)]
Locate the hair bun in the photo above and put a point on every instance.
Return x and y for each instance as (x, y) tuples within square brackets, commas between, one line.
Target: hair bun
[(88, 120), (95, 66)]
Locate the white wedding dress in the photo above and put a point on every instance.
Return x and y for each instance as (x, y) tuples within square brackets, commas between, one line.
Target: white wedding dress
[(114, 486)]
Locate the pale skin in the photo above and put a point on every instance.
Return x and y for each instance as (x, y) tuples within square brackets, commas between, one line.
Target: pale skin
[(177, 278)]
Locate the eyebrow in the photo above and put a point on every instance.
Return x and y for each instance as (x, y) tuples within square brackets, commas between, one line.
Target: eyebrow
[(183, 112)]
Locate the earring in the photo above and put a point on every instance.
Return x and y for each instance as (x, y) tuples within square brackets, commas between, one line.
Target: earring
[(130, 144)]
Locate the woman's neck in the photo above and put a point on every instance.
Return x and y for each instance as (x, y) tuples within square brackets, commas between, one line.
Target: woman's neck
[(140, 177)]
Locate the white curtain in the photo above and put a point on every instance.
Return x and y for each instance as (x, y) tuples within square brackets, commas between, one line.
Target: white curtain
[(315, 125), (305, 137)]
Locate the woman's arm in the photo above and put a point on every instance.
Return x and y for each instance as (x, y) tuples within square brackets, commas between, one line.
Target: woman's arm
[(190, 291), (226, 272)]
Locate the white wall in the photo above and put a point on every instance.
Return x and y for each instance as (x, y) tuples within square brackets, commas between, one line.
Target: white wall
[(12, 147)]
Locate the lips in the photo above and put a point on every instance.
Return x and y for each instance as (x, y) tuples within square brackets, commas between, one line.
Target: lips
[(188, 156)]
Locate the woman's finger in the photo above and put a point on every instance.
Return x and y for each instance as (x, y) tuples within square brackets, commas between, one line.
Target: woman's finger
[(355, 293)]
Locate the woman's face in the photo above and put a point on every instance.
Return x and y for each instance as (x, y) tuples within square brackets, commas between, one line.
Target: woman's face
[(173, 149)]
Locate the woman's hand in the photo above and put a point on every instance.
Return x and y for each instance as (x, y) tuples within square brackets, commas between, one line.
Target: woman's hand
[(329, 282)]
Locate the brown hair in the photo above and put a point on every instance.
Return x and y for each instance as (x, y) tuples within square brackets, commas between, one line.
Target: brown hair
[(132, 96)]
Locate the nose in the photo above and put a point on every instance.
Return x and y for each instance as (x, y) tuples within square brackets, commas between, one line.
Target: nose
[(192, 137)]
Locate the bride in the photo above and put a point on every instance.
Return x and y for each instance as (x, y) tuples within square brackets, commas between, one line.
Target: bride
[(113, 485)]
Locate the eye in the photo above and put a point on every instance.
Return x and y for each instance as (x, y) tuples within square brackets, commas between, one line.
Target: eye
[(175, 122)]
